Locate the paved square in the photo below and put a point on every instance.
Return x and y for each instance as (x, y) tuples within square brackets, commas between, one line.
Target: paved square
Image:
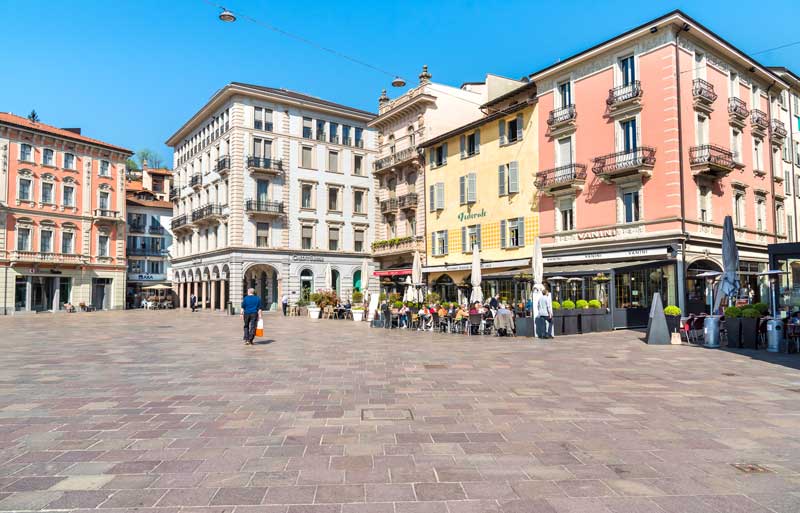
[(168, 412)]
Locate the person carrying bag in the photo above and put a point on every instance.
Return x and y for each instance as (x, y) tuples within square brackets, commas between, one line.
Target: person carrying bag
[(251, 315)]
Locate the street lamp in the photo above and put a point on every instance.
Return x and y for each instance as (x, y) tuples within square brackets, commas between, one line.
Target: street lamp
[(227, 16), (398, 82)]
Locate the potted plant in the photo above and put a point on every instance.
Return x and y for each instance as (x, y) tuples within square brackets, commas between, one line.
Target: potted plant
[(432, 298), (749, 322), (602, 322), (762, 308), (733, 326), (314, 308), (570, 317), (358, 306), (673, 314), (585, 323), (558, 319)]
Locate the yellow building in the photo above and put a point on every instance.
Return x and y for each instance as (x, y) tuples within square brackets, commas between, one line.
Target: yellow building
[(479, 192)]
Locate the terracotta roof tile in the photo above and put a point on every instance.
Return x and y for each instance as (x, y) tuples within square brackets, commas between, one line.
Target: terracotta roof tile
[(159, 171), (13, 119)]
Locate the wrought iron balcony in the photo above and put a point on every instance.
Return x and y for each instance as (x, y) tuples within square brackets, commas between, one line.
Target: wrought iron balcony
[(738, 109), (173, 193), (359, 143), (156, 230), (570, 176), (562, 116), (223, 165), (703, 91), (196, 180), (178, 222), (321, 136), (778, 129), (408, 201), (136, 228), (711, 160), (404, 245), (264, 207), (145, 251), (395, 159), (759, 120), (265, 165), (624, 163), (389, 206), (104, 213), (206, 212), (622, 95)]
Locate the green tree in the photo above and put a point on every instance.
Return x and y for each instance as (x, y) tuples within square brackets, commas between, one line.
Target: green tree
[(153, 159), (132, 165), (33, 116)]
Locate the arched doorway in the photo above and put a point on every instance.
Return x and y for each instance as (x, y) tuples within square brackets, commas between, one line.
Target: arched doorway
[(306, 284), (264, 279), (446, 288), (697, 293), (357, 281), (336, 281)]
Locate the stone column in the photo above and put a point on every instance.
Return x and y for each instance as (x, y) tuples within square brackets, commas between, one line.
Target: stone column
[(28, 293), (56, 293), (180, 295), (222, 294), (213, 295), (204, 289)]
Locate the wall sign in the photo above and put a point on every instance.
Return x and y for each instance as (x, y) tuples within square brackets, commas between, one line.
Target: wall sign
[(598, 234), (628, 253), (464, 216), (307, 258)]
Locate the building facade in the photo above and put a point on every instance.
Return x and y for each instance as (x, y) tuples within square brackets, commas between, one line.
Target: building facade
[(480, 193), (271, 188), (648, 140), (62, 208), (404, 124)]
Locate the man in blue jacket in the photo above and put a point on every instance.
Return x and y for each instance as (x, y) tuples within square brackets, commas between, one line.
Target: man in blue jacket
[(251, 313)]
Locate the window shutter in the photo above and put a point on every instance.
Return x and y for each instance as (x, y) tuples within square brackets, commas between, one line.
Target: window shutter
[(501, 180), (519, 127), (439, 196), (432, 200), (432, 157), (478, 237), (444, 154), (502, 130), (445, 243), (513, 177), (472, 187), (502, 234), (462, 193), (477, 141), (463, 145), (463, 239), (521, 227)]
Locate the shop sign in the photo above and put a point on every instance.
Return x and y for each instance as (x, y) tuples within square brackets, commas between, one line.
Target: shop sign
[(597, 234), (307, 258), (609, 255), (465, 216)]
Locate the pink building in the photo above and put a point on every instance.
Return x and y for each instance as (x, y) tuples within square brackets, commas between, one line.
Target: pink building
[(62, 215), (647, 141)]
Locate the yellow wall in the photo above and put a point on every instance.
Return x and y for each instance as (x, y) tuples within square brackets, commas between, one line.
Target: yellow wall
[(485, 165)]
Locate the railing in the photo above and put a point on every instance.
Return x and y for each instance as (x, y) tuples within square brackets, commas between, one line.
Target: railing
[(265, 206), (408, 200), (136, 228), (196, 180), (321, 136), (395, 158), (778, 128), (146, 251), (179, 221), (624, 93), (738, 108), (173, 193), (711, 154), (156, 230), (624, 160), (703, 90), (759, 119), (206, 211), (562, 115), (334, 139), (104, 212), (42, 256), (561, 175), (223, 164), (359, 143), (265, 163), (388, 206), (347, 142), (401, 245)]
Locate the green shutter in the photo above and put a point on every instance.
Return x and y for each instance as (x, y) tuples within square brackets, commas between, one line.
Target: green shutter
[(463, 239), (478, 237), (445, 242), (502, 130), (519, 127), (513, 177), (432, 199), (501, 180), (444, 154), (521, 228), (477, 141), (502, 234), (472, 188), (463, 146), (462, 193), (439, 196)]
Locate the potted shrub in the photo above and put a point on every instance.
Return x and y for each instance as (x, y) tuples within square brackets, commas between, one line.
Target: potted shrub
[(762, 308), (673, 314), (432, 298), (749, 323), (733, 326), (358, 306), (558, 319), (314, 308), (585, 322), (570, 317), (602, 322)]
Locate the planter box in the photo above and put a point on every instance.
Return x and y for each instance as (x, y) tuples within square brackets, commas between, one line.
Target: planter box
[(734, 327), (558, 323), (673, 323), (570, 322), (749, 338), (524, 326), (602, 320), (588, 320), (302, 311), (358, 315), (314, 311)]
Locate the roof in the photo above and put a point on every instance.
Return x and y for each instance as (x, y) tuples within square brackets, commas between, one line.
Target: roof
[(510, 94), (148, 203), (159, 171), (134, 186), (21, 122), (303, 97), (474, 124), (786, 71)]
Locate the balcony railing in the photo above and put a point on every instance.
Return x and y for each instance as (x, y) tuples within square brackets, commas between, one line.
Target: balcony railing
[(388, 206), (703, 91), (43, 256), (395, 158), (408, 200), (562, 115), (106, 213), (264, 207), (397, 246), (146, 251), (624, 93), (711, 159), (223, 165), (196, 180), (737, 108), (206, 212), (156, 230), (321, 136), (178, 222), (622, 162), (173, 193), (359, 143), (265, 164), (136, 228), (759, 119), (778, 129), (561, 177)]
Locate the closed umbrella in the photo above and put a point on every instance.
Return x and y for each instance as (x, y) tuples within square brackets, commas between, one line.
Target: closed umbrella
[(410, 293), (477, 294), (328, 277), (416, 277), (728, 283), (537, 264), (365, 275)]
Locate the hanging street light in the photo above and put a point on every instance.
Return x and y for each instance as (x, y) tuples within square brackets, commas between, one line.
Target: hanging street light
[(227, 16), (398, 82)]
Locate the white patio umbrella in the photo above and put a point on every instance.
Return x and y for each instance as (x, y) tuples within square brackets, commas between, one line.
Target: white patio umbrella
[(416, 277), (410, 292), (328, 277), (537, 265), (365, 276), (477, 294)]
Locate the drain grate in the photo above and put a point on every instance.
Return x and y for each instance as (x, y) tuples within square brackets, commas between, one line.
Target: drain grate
[(434, 366), (386, 414), (750, 468)]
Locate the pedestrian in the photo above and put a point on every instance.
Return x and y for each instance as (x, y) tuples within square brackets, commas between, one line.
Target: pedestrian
[(545, 315), (251, 313), (193, 302), (494, 303), (285, 304)]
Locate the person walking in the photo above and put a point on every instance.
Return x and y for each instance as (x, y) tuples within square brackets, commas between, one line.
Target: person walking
[(285, 303), (251, 313), (193, 302), (545, 315)]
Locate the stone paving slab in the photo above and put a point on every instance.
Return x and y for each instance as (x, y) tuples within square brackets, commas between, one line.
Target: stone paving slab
[(167, 412)]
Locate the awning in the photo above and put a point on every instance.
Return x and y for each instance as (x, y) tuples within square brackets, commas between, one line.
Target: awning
[(392, 272), (596, 267), (497, 264)]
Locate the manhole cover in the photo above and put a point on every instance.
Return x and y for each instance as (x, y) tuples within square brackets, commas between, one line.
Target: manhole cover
[(750, 468), (433, 366), (386, 414), (729, 374)]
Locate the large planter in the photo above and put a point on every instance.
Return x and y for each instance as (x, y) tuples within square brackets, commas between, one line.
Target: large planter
[(358, 315), (524, 326), (570, 322), (749, 338), (733, 326), (302, 311), (313, 312), (586, 320), (673, 323), (602, 321), (558, 322)]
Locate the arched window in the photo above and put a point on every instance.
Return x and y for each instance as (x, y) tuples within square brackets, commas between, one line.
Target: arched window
[(306, 283), (411, 138), (335, 281), (357, 281), (391, 145)]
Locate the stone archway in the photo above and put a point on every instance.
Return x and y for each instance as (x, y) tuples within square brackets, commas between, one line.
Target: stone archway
[(265, 279), (696, 288)]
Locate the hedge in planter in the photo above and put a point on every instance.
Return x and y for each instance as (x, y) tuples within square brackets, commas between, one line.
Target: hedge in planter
[(558, 319), (673, 315), (733, 326), (750, 317), (570, 317)]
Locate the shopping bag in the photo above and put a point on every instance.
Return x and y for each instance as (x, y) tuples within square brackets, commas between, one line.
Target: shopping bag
[(260, 328)]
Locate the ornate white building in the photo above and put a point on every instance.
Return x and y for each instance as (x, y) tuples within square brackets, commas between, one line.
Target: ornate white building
[(271, 187)]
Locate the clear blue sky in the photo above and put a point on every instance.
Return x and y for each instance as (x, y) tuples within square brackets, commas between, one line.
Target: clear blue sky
[(131, 72)]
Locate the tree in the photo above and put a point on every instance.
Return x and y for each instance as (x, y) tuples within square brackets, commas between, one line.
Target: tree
[(153, 159), (33, 116), (132, 165)]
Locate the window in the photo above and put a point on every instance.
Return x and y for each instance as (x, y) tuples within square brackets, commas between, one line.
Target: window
[(512, 233), (439, 243), (438, 156), (736, 145), (156, 266), (46, 242), (756, 97), (307, 237), (359, 137), (627, 69), (69, 161), (26, 152), (67, 242), (705, 203), (797, 151), (23, 238), (333, 238), (358, 202), (104, 197), (757, 155), (262, 191), (564, 154), (565, 94), (24, 192), (262, 235), (306, 161), (346, 135), (47, 192), (334, 132), (510, 130), (436, 196), (761, 210), (306, 195), (391, 227), (333, 199), (630, 206), (105, 168), (738, 209), (733, 85), (333, 161), (566, 210), (358, 165), (470, 144), (508, 178), (629, 143), (262, 119), (468, 188), (701, 135), (699, 65), (470, 237), (48, 157), (785, 153), (412, 225), (358, 240), (320, 130), (102, 246), (412, 138), (307, 127), (779, 218)]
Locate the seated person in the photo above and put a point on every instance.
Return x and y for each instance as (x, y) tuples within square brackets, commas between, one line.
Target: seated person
[(474, 309), (441, 311), (403, 312)]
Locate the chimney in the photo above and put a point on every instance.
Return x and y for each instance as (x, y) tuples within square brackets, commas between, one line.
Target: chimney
[(73, 130), (144, 165)]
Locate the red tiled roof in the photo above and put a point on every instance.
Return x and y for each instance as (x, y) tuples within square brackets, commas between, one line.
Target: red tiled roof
[(134, 185), (148, 203), (159, 171), (13, 119)]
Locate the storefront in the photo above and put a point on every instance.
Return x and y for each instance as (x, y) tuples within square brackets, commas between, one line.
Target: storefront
[(786, 257), (453, 283), (392, 281)]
